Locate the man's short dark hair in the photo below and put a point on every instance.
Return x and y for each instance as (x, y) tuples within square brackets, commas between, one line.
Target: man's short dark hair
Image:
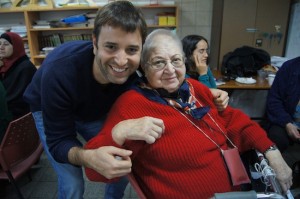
[(122, 14)]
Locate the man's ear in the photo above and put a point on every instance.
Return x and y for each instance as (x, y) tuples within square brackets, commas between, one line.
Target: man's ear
[(94, 41)]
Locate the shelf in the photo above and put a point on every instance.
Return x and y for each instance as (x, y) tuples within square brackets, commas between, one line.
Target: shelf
[(39, 56), (57, 29), (89, 28), (66, 8), (36, 37)]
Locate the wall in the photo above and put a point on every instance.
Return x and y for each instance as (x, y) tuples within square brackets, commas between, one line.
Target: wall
[(195, 17), (293, 41)]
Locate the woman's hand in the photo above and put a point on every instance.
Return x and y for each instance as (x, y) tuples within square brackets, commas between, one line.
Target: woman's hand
[(146, 128), (282, 170), (201, 64)]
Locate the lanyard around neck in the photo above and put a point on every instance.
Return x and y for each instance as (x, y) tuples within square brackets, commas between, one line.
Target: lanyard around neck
[(197, 127)]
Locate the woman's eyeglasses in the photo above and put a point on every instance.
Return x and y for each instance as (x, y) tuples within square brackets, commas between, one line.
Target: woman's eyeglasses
[(159, 63), (201, 51)]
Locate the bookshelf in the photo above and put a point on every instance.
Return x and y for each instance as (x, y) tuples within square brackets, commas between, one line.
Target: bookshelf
[(34, 37)]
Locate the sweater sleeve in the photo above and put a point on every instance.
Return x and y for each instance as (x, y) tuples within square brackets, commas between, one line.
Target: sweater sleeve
[(276, 110), (243, 132), (21, 77), (208, 79), (211, 79)]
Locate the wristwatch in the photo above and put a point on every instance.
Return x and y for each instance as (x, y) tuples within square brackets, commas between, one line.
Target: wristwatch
[(271, 148)]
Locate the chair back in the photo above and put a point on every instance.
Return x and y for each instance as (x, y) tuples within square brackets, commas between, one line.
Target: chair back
[(20, 141), (136, 186)]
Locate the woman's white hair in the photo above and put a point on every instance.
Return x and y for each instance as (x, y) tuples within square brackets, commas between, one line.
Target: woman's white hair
[(153, 39)]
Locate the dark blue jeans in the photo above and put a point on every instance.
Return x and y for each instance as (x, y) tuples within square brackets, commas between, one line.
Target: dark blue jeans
[(70, 178)]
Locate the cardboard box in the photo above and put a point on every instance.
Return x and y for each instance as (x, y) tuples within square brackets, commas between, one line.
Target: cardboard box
[(171, 20), (162, 20)]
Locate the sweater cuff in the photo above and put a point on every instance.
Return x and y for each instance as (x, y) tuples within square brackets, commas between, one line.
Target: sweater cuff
[(202, 78)]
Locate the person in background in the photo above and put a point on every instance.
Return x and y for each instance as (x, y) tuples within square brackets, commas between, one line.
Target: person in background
[(75, 88), (283, 105), (5, 115), (181, 157), (196, 50), (16, 72)]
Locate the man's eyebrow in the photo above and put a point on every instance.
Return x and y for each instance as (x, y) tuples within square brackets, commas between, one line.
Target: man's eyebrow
[(134, 46), (110, 43)]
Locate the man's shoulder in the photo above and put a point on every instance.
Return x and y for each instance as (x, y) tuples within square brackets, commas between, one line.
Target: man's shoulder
[(75, 53), (295, 62), (73, 49), (290, 67)]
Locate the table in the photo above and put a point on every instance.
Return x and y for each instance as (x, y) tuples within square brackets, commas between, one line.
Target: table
[(261, 83), (250, 98)]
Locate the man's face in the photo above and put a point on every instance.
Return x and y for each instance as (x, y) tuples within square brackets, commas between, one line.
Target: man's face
[(117, 55), (6, 49)]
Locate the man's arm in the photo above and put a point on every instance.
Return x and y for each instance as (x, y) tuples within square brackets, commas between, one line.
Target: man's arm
[(102, 160)]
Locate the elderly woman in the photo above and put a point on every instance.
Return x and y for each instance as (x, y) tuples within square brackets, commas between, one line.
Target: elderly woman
[(180, 155)]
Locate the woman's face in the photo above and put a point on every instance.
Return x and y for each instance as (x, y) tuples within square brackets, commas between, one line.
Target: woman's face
[(201, 52), (166, 67), (6, 49)]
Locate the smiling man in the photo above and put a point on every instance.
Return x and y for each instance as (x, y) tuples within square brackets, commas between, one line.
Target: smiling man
[(74, 89)]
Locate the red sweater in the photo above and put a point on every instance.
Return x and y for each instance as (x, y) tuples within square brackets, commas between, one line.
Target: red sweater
[(183, 163)]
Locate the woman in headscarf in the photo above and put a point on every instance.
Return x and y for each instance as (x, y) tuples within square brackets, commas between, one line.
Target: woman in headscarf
[(16, 72)]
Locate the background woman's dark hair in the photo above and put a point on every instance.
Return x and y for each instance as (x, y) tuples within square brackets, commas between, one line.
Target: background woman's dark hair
[(121, 14), (189, 44)]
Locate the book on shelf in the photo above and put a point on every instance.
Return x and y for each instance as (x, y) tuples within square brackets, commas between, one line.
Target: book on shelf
[(80, 25), (57, 39)]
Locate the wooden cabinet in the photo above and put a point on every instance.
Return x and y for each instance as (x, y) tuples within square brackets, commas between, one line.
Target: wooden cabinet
[(257, 23), (34, 35)]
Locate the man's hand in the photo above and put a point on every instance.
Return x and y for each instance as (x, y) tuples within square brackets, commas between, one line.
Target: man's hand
[(103, 160), (221, 98), (282, 170), (292, 131), (146, 128)]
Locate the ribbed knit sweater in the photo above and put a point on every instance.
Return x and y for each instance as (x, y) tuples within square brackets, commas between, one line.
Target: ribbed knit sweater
[(183, 163)]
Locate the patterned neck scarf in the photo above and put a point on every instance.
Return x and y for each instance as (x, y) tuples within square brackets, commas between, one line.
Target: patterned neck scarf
[(184, 100)]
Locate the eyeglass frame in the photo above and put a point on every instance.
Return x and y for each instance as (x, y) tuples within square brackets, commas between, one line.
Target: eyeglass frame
[(166, 61), (201, 51)]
